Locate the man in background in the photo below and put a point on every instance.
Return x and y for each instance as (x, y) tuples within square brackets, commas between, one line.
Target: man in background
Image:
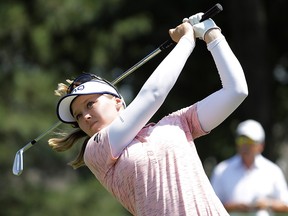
[(248, 182)]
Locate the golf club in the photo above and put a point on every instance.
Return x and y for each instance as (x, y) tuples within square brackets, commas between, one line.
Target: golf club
[(18, 161)]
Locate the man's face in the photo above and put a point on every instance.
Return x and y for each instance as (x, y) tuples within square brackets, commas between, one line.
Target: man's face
[(248, 148)]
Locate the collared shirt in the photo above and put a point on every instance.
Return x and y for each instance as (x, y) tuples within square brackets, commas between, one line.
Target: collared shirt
[(233, 182), (159, 173)]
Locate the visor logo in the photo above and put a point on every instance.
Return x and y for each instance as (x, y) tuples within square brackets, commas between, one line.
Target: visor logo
[(78, 88)]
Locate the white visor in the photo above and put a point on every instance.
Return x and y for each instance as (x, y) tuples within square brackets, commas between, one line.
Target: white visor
[(91, 87)]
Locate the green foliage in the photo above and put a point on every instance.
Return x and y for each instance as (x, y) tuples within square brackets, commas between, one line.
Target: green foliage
[(44, 42)]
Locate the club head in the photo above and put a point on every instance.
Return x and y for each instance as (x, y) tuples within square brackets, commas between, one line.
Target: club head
[(18, 163)]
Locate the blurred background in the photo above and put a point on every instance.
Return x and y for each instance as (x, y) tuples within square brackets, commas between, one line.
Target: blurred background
[(42, 43)]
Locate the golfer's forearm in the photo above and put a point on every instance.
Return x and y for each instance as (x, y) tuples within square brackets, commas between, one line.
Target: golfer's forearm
[(218, 106), (150, 98), (211, 35), (164, 77), (237, 207), (277, 206)]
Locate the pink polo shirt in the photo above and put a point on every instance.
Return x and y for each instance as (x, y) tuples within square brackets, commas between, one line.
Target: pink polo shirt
[(159, 172)]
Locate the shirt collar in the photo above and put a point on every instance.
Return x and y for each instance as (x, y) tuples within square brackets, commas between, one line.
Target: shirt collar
[(257, 161)]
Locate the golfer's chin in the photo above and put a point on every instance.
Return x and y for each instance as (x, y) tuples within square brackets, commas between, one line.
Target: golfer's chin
[(94, 129)]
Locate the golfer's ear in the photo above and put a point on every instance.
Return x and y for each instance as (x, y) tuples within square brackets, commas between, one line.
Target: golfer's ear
[(119, 103)]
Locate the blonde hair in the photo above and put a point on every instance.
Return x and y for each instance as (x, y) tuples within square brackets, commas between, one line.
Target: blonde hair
[(65, 141)]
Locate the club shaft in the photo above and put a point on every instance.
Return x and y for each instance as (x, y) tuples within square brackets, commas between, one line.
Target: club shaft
[(32, 142), (212, 12), (137, 65)]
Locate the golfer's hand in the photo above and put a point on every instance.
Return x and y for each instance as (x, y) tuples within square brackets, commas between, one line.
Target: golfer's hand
[(201, 28), (183, 29)]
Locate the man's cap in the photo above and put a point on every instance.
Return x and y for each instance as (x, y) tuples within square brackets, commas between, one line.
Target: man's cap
[(64, 111), (251, 129)]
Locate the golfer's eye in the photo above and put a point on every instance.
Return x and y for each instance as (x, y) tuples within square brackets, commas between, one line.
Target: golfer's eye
[(90, 104), (78, 116)]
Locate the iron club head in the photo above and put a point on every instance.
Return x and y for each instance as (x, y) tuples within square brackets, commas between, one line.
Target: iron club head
[(18, 162)]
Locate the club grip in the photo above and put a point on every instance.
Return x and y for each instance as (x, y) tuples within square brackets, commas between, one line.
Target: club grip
[(217, 8), (212, 12)]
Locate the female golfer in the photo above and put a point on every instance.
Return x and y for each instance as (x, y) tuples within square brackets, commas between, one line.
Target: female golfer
[(153, 169)]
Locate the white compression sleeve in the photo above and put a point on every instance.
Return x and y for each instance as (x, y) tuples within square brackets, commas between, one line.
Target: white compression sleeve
[(151, 96), (215, 108)]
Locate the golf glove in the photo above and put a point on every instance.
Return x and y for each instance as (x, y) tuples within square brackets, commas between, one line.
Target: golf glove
[(200, 28)]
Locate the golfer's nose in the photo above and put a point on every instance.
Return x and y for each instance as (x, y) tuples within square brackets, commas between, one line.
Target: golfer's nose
[(87, 116)]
